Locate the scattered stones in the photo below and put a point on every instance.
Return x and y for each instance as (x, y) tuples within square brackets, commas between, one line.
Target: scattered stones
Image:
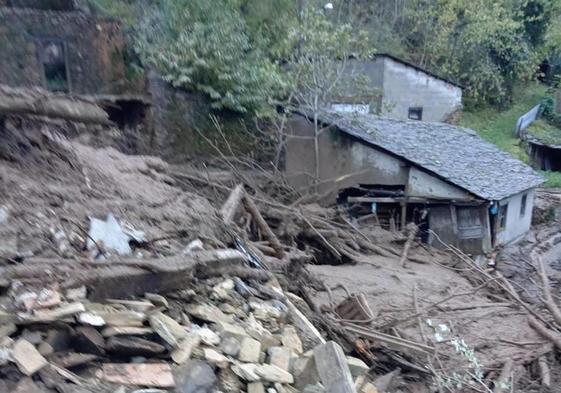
[(230, 346), (27, 358), (246, 371), (250, 350), (272, 373), (185, 348), (255, 387), (89, 340), (147, 374), (229, 330), (135, 305), (26, 385), (357, 366), (208, 337), (70, 360), (291, 339), (194, 376), (305, 372), (264, 311), (222, 290), (168, 329), (52, 315), (214, 357), (208, 313), (126, 330), (157, 300), (369, 388), (133, 346), (89, 318), (7, 329), (280, 357)]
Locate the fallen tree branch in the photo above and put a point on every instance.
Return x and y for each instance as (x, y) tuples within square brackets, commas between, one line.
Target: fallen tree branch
[(548, 299), (550, 335), (262, 224)]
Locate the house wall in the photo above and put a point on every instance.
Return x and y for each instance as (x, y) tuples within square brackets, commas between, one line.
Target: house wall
[(516, 225), (361, 85), (405, 87), (94, 48), (346, 162)]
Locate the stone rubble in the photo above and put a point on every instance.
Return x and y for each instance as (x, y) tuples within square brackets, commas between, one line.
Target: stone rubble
[(214, 339)]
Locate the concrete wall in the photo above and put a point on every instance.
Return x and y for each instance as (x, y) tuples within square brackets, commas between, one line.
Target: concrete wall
[(93, 48), (422, 184), (405, 87), (346, 162), (516, 225), (362, 84)]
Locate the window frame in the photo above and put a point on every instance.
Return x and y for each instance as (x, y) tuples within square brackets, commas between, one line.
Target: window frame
[(415, 109), (502, 217), (43, 42), (523, 205)]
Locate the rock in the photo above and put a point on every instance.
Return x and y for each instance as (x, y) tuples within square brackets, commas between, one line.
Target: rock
[(332, 368), (255, 329), (51, 315), (222, 290), (214, 357), (255, 387), (135, 305), (89, 340), (133, 346), (6, 317), (291, 340), (7, 329), (46, 298), (45, 349), (208, 313), (246, 371), (272, 373), (185, 348), (76, 294), (357, 366), (168, 329), (26, 385), (123, 318), (249, 350), (229, 330), (157, 300), (195, 376), (69, 360), (148, 374), (27, 358), (89, 318), (230, 346), (305, 372), (35, 337), (126, 331), (280, 357), (229, 309), (58, 339), (208, 337), (193, 246), (5, 355), (369, 388), (264, 311), (317, 388)]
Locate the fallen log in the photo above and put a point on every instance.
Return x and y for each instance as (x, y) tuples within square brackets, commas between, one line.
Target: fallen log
[(550, 335), (263, 226), (505, 378), (123, 278), (412, 230), (232, 204), (548, 298), (545, 374)]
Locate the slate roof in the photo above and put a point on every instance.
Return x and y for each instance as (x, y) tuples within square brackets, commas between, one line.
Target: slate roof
[(455, 154)]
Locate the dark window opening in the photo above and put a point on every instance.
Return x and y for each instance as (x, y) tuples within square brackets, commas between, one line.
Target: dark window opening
[(503, 210), (523, 205), (127, 114), (415, 113), (53, 58)]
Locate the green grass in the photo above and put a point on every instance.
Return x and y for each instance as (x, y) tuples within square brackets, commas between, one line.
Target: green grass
[(545, 132), (497, 126)]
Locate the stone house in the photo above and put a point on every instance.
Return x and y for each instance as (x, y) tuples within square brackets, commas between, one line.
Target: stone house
[(59, 45), (460, 189), (392, 87)]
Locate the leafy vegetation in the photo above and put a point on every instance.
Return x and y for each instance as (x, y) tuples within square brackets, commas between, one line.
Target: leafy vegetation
[(545, 132)]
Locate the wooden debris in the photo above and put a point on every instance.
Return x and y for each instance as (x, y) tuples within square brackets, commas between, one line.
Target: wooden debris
[(548, 298), (232, 205), (545, 373), (263, 226), (412, 230), (504, 381), (552, 336), (156, 375)]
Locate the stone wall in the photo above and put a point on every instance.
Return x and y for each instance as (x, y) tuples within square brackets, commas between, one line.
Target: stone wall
[(93, 48)]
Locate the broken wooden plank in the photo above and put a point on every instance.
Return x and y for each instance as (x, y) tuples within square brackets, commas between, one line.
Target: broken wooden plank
[(333, 369), (232, 205)]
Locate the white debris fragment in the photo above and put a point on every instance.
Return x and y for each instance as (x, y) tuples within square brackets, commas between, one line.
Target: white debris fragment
[(111, 236), (195, 245)]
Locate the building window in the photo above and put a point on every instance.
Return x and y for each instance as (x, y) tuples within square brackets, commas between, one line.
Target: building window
[(503, 210), (53, 59), (415, 113), (523, 205)]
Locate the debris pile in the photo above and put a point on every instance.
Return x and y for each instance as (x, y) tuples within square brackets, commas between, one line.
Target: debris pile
[(231, 334)]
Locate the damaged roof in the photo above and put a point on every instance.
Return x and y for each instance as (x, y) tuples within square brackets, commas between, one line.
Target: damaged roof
[(455, 154)]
